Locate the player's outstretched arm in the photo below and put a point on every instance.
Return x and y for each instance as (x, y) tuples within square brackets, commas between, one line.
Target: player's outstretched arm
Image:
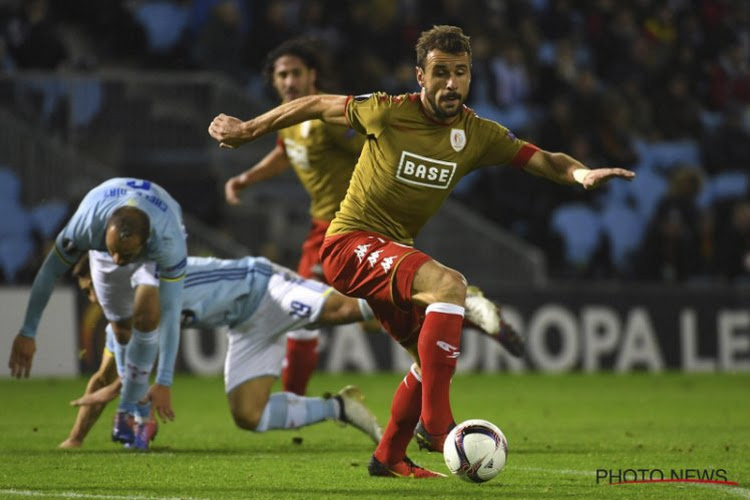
[(89, 414), (271, 165), (341, 310), (232, 132), (170, 299), (24, 345), (564, 169), (100, 396)]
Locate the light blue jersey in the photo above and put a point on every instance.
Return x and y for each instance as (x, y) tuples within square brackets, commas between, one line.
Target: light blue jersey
[(86, 229), (223, 292)]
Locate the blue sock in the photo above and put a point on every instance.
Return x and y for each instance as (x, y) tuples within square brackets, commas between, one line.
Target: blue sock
[(118, 352), (139, 360), (142, 412), (124, 407), (286, 410), (117, 349)]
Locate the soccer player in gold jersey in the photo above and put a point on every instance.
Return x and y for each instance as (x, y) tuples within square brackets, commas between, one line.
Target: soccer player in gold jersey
[(323, 156), (418, 147)]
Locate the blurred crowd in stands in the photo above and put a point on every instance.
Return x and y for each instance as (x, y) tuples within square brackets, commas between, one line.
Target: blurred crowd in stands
[(658, 86)]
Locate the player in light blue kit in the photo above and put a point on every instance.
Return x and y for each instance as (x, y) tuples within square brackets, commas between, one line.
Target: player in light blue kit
[(260, 302), (127, 221)]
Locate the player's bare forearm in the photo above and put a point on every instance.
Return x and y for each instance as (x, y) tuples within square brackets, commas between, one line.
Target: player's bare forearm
[(557, 167), (326, 107), (564, 169), (87, 415), (271, 165), (100, 396), (231, 132), (274, 163)]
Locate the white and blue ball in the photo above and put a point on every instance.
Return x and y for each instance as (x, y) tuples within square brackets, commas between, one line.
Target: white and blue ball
[(475, 450)]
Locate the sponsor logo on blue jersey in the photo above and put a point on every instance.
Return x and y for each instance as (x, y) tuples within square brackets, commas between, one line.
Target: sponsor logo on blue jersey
[(157, 202), (115, 192)]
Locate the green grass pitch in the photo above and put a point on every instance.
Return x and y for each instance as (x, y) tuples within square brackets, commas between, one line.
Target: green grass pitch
[(561, 429)]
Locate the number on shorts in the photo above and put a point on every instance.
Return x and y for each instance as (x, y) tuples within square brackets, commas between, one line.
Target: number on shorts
[(300, 310)]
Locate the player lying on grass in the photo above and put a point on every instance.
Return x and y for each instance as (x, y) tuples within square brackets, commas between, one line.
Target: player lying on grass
[(337, 309)]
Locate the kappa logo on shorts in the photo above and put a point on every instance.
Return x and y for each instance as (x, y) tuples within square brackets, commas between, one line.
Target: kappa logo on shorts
[(424, 171), (361, 252), (373, 257), (387, 264)]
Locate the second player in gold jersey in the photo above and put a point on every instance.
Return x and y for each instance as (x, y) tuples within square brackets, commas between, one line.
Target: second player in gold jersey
[(323, 156)]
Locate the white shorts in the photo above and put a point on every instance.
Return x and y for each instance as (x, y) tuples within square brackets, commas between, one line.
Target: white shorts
[(115, 285), (257, 346)]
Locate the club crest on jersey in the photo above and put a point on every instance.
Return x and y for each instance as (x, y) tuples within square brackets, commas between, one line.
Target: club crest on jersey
[(424, 171), (458, 139)]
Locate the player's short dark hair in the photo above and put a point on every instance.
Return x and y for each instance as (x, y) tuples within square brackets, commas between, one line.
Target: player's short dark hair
[(129, 222), (306, 49), (450, 39)]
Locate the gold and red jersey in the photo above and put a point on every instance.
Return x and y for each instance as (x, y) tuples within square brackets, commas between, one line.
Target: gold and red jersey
[(410, 163), (323, 156)]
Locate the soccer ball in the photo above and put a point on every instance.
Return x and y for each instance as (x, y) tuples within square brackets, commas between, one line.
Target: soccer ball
[(475, 450)]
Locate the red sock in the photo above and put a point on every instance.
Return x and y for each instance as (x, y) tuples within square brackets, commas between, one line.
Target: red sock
[(439, 343), (299, 364), (405, 410)]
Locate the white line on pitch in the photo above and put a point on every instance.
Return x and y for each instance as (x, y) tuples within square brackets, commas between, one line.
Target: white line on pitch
[(73, 494)]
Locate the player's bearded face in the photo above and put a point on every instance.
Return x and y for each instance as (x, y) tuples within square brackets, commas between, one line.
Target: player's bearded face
[(292, 78), (445, 83)]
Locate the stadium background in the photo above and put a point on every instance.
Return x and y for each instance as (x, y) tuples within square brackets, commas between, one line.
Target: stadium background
[(648, 275)]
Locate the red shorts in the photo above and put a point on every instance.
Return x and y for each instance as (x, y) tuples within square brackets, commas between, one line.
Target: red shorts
[(370, 266), (309, 263)]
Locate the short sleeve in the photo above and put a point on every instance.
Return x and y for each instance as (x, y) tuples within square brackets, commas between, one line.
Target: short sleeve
[(368, 114), (172, 257), (346, 138), (503, 147), (70, 243)]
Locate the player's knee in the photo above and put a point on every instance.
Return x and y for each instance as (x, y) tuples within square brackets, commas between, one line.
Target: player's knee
[(146, 322), (122, 333), (247, 418), (451, 287)]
